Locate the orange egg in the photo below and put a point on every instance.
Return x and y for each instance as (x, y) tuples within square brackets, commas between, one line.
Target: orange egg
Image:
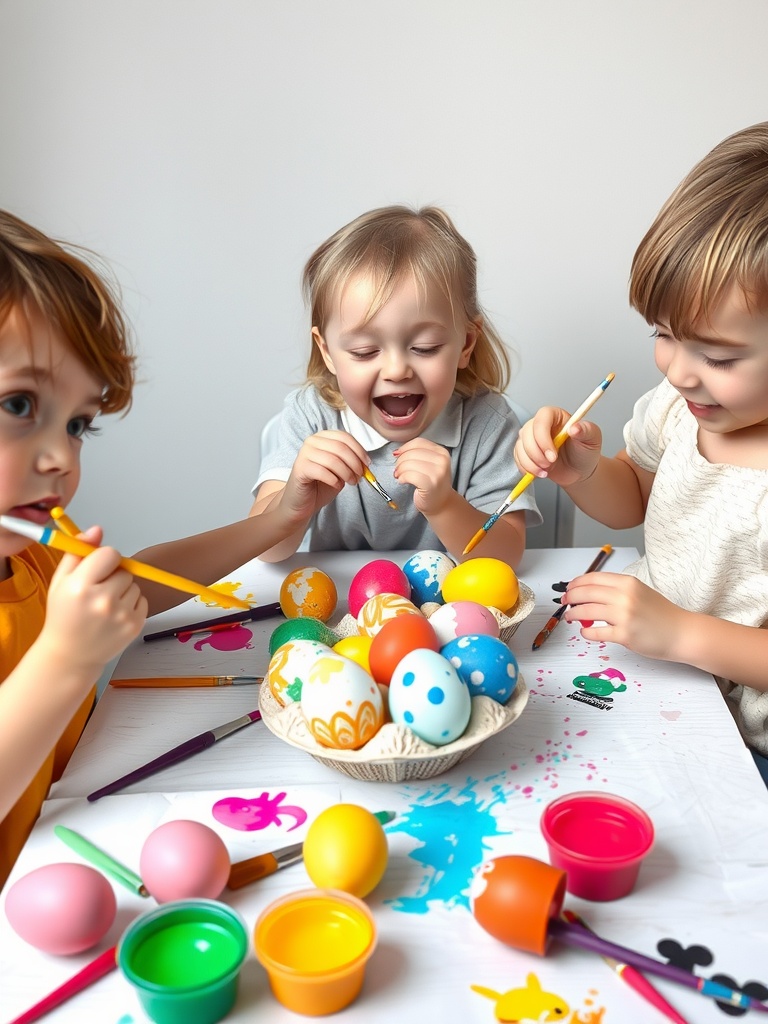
[(395, 639), (308, 593)]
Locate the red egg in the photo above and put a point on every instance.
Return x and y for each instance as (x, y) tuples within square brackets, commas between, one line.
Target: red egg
[(380, 576), (395, 639)]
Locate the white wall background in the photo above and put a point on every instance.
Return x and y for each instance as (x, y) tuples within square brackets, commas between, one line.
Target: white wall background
[(205, 147)]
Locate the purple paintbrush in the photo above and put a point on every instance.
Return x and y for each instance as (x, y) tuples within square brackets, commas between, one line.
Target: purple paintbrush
[(186, 749), (574, 935)]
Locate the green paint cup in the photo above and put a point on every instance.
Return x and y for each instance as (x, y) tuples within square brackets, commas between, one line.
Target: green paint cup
[(184, 960)]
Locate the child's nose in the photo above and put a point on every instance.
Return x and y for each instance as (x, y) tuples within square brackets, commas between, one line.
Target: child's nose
[(681, 370), (397, 366), (57, 453)]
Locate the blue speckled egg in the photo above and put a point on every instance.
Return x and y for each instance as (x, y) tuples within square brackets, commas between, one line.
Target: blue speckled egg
[(425, 572), (485, 664), (427, 694)]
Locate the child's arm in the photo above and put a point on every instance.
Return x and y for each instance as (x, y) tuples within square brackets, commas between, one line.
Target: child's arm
[(207, 557), (325, 463), (427, 467), (613, 491), (94, 610), (642, 620)]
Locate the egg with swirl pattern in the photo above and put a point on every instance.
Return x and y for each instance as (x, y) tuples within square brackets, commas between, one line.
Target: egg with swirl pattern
[(341, 703)]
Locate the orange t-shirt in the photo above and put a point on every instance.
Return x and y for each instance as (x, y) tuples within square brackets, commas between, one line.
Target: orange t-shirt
[(22, 613)]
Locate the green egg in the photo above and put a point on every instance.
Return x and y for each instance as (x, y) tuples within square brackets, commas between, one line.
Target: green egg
[(301, 629)]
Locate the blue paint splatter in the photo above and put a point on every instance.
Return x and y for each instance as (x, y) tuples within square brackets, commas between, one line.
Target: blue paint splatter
[(452, 834), (126, 1019)]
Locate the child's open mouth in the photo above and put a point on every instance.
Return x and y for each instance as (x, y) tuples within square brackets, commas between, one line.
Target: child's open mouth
[(398, 408)]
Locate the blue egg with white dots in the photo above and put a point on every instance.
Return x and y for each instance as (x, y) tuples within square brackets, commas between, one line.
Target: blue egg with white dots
[(428, 695), (486, 665), (425, 572)]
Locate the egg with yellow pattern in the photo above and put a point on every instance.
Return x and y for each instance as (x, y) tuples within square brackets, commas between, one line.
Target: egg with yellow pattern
[(289, 666), (380, 609), (341, 703)]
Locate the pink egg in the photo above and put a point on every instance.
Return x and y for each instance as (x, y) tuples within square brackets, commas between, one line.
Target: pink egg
[(184, 860), (462, 618), (61, 908), (380, 576)]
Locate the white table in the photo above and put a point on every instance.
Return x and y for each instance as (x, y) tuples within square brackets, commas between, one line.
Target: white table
[(668, 743)]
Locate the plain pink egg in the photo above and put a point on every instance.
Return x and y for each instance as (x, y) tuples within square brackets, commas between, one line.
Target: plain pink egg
[(381, 576), (61, 908), (184, 860)]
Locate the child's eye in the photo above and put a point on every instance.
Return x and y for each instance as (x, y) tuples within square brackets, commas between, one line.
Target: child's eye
[(363, 355), (82, 426), (432, 351), (21, 406), (719, 364)]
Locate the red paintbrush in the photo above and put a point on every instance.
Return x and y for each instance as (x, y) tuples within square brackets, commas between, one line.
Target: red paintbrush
[(96, 969)]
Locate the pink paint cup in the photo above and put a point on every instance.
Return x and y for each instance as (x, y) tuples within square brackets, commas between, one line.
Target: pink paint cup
[(599, 840)]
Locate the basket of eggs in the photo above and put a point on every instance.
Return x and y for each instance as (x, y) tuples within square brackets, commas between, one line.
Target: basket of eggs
[(412, 679)]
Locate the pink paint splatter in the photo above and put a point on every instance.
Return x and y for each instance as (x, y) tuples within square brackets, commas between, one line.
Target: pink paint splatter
[(257, 813)]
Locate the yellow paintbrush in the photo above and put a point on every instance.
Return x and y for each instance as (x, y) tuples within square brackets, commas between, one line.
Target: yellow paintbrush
[(64, 542), (524, 482)]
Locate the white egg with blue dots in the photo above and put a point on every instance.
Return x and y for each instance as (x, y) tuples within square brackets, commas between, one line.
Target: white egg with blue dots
[(425, 572), (428, 695), (486, 665)]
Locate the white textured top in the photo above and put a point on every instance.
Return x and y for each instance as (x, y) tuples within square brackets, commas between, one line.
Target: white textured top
[(706, 533)]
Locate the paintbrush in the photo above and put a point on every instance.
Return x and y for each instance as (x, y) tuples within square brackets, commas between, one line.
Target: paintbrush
[(103, 964), (179, 753), (528, 478), (64, 542), (596, 564), (102, 860), (378, 488), (266, 611)]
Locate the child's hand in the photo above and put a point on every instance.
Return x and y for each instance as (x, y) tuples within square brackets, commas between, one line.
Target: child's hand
[(326, 462), (427, 467), (94, 609), (576, 460), (634, 614)]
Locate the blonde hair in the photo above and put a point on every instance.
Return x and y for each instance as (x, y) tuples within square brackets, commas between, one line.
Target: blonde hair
[(711, 234), (74, 298), (385, 244)]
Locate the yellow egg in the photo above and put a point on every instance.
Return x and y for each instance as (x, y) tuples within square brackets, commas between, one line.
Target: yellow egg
[(356, 648), (487, 581), (346, 848), (308, 593)]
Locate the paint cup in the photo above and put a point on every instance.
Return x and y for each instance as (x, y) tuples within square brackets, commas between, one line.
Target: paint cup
[(314, 945), (184, 960), (599, 840)]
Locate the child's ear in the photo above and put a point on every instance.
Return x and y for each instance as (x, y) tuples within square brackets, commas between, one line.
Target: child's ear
[(474, 327), (319, 340)]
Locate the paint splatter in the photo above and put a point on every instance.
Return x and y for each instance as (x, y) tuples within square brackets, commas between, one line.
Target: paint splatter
[(529, 1003), (452, 832), (257, 813), (229, 588), (238, 638)]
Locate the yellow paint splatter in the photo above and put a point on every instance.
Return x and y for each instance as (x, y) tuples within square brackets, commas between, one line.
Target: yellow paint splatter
[(229, 589)]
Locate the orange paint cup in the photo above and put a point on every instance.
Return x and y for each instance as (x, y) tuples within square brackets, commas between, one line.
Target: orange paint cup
[(314, 945)]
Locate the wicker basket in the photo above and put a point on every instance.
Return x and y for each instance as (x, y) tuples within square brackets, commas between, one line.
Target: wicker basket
[(395, 754)]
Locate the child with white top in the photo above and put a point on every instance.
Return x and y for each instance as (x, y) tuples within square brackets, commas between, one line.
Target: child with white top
[(405, 378), (695, 467)]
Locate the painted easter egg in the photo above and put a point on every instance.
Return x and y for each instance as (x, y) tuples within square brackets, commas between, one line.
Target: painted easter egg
[(357, 648), (184, 860), (341, 703), (486, 665), (381, 576), (459, 618), (488, 581), (301, 629), (380, 609), (395, 639), (308, 593), (289, 666), (427, 694), (61, 908), (346, 848), (425, 572)]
